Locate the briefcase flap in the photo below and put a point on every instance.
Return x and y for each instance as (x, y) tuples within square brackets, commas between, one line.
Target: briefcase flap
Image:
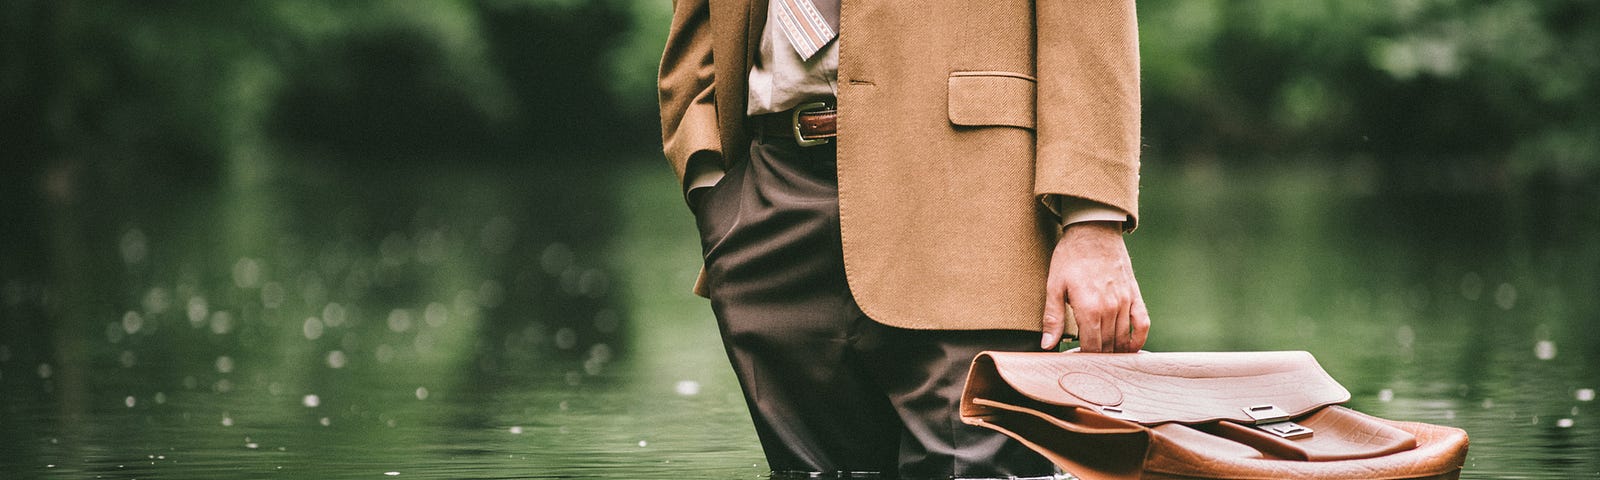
[(1154, 388)]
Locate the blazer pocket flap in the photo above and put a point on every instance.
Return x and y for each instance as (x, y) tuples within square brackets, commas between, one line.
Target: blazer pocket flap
[(991, 98)]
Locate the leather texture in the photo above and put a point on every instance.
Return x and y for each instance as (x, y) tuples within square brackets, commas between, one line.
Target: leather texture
[(818, 124), (1181, 415), (1153, 388), (814, 124)]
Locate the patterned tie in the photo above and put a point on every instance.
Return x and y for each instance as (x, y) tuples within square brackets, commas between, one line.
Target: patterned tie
[(809, 24)]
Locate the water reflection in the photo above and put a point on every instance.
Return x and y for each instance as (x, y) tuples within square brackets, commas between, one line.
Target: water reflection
[(448, 322), (324, 301)]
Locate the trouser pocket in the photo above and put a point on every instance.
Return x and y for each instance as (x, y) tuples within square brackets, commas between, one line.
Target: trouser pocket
[(719, 207)]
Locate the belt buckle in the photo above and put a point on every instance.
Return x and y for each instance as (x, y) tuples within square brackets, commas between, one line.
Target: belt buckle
[(794, 124)]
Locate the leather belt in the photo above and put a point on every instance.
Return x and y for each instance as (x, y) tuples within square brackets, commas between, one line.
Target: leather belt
[(808, 125)]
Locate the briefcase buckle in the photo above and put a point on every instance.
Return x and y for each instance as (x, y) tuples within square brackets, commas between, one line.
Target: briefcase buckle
[(1289, 430), (1266, 414)]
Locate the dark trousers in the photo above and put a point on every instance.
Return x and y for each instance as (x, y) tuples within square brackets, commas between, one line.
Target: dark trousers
[(831, 390)]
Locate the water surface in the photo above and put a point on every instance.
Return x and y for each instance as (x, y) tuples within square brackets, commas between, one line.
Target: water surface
[(526, 322)]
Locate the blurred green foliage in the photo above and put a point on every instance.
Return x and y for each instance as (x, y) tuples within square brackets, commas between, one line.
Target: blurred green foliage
[(1468, 93), (1497, 93)]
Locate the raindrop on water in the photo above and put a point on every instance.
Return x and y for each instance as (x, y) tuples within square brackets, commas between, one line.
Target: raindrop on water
[(1564, 423), (157, 301), (246, 273), (325, 422), (593, 283), (600, 352), (1544, 350), (227, 421), (436, 314), (312, 328), (221, 322), (128, 359), (1385, 395), (133, 246), (197, 311), (1505, 296), (45, 371), (566, 338), (422, 393), (516, 430), (161, 398), (687, 388), (1585, 394), (399, 320), (392, 474), (272, 295), (130, 401), (224, 364), (223, 386), (311, 401), (132, 322), (336, 359), (333, 314), (643, 443)]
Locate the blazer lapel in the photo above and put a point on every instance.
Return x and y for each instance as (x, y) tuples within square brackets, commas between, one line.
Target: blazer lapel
[(736, 30), (756, 21)]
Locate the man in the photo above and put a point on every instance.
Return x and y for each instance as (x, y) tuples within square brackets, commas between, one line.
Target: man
[(885, 189)]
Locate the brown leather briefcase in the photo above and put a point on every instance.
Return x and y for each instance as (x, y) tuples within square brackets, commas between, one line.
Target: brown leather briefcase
[(1246, 415)]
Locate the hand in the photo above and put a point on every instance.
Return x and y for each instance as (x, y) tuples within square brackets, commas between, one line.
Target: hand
[(1091, 274)]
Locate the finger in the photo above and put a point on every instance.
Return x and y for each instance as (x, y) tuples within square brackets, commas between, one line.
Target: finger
[(1092, 314), (1123, 334), (1140, 319), (1055, 314), (1108, 327), (1089, 330)]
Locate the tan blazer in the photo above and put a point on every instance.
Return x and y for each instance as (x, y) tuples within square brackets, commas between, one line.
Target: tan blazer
[(955, 119)]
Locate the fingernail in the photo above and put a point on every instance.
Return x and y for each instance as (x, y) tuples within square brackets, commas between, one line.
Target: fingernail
[(1048, 342)]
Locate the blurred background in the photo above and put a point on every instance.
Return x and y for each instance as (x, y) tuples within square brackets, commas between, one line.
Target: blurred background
[(437, 239)]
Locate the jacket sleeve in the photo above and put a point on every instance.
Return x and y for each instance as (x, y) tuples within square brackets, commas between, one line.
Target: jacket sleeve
[(685, 83), (1088, 103)]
